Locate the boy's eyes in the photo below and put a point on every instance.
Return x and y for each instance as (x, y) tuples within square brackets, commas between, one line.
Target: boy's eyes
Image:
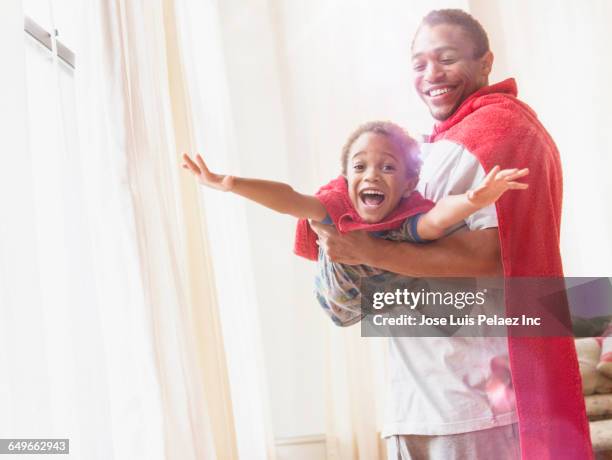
[(386, 167)]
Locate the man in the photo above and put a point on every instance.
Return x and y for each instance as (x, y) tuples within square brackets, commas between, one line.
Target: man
[(438, 408)]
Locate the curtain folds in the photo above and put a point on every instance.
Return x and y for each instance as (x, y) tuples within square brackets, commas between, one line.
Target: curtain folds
[(355, 388), (177, 279), (206, 95), (111, 333), (205, 331)]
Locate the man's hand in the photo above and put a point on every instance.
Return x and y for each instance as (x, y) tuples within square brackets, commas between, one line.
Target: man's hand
[(495, 184), (352, 248), (464, 253), (205, 177)]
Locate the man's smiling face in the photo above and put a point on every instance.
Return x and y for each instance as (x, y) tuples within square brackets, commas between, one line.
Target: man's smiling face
[(446, 72)]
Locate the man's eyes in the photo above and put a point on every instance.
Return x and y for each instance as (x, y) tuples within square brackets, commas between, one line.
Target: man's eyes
[(389, 167), (358, 167), (446, 60)]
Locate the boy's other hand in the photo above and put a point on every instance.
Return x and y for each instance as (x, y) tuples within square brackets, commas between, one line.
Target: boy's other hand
[(495, 184), (205, 177)]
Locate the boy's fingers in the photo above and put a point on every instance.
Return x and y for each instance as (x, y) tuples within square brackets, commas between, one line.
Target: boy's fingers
[(491, 175), (201, 163), (512, 174), (187, 158), (191, 164), (506, 173), (519, 174), (518, 185)]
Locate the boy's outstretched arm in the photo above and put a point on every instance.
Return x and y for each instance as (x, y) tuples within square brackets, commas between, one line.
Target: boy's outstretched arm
[(277, 196), (454, 208)]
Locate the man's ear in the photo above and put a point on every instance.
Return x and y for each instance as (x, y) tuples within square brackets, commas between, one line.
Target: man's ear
[(410, 186), (487, 63)]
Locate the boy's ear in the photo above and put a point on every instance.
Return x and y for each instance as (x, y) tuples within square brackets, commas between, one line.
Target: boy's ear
[(410, 186)]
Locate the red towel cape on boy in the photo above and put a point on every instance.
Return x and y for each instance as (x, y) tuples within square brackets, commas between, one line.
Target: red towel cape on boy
[(501, 130), (334, 196)]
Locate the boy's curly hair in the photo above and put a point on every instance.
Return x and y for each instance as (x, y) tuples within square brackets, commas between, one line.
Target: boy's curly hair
[(400, 137)]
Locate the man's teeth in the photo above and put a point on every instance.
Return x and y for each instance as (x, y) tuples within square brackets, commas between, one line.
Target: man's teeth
[(437, 92)]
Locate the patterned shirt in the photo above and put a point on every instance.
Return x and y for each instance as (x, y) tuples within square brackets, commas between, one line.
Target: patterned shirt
[(337, 286)]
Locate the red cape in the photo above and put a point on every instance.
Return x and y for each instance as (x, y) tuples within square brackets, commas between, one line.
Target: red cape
[(501, 130), (334, 196)]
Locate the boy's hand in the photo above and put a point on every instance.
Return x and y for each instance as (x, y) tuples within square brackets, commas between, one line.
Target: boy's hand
[(495, 184), (205, 177)]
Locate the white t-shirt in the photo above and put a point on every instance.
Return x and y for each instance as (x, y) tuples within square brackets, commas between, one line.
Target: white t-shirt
[(436, 384)]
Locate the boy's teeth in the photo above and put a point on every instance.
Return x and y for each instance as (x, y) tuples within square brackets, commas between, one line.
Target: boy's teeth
[(372, 197), (437, 92)]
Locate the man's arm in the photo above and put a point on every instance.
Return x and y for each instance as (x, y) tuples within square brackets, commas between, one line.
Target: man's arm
[(277, 196), (464, 253)]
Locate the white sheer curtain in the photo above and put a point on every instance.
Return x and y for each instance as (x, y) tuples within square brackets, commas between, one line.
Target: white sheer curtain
[(110, 328), (212, 131), (211, 386), (75, 327)]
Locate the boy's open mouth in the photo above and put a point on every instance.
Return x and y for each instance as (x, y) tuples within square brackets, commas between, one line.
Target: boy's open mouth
[(372, 197)]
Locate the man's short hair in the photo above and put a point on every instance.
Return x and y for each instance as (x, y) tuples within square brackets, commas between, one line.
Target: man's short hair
[(464, 20)]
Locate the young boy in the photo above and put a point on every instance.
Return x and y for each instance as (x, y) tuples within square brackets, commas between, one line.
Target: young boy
[(376, 192)]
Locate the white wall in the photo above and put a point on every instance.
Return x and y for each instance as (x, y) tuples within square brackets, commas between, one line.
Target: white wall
[(558, 52), (344, 63)]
